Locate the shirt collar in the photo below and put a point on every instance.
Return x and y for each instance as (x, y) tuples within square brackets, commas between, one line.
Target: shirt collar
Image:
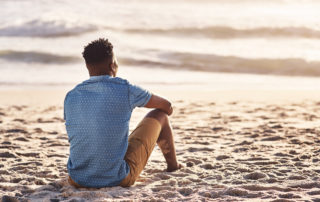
[(95, 78)]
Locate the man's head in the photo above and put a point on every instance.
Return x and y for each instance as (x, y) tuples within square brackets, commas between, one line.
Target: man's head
[(100, 58)]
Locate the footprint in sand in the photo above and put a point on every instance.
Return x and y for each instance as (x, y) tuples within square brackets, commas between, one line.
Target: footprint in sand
[(163, 176), (38, 130), (305, 185), (30, 154), (195, 161), (16, 130), (295, 141), (190, 164), (244, 143), (40, 120), (185, 191), (200, 143), (160, 188), (254, 136), (317, 192), (293, 152), (268, 131), (255, 176), (184, 182), (195, 149), (289, 195), (28, 163), (296, 177), (222, 157), (207, 166), (315, 160), (272, 138), (21, 139), (235, 192), (277, 126), (19, 120), (9, 199), (217, 129), (243, 170), (209, 194), (7, 155), (280, 154)]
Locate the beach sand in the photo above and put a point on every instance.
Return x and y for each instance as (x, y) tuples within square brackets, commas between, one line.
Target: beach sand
[(235, 146)]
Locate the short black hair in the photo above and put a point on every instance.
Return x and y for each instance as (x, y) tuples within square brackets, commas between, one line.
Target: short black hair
[(98, 51)]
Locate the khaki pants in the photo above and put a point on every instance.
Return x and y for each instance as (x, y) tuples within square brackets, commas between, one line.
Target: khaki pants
[(141, 143)]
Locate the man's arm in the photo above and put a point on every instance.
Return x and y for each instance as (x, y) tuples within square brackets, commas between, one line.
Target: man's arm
[(158, 102)]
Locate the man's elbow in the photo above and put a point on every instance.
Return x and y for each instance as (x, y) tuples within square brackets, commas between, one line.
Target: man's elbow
[(169, 104), (170, 109)]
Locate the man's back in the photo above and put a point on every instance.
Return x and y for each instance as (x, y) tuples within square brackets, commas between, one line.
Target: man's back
[(97, 114)]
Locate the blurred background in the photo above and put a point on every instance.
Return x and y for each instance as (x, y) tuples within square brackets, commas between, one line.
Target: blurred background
[(218, 44)]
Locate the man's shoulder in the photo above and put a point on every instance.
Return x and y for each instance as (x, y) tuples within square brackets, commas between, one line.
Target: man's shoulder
[(87, 83), (69, 93), (74, 90), (118, 80)]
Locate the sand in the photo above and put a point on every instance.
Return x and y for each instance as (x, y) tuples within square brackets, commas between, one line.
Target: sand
[(245, 148)]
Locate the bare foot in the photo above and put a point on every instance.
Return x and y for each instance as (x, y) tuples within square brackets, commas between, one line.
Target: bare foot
[(172, 169)]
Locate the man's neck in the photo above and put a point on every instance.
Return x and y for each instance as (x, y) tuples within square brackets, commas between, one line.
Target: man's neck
[(99, 74)]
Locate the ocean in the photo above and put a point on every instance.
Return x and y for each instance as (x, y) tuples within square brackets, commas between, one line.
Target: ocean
[(228, 43)]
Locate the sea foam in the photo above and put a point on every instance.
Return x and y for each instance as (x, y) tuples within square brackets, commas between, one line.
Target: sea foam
[(46, 28)]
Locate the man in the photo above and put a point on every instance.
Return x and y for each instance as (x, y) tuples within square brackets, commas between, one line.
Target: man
[(97, 114)]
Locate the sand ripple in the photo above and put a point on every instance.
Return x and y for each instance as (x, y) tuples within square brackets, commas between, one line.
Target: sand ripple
[(230, 152)]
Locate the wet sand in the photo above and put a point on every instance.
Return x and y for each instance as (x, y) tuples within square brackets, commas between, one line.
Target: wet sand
[(232, 150)]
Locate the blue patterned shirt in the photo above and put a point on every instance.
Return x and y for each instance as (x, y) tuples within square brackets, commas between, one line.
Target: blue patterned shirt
[(97, 114)]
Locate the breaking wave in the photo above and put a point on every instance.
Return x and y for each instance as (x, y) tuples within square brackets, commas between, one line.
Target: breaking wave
[(229, 32), (48, 28), (60, 28), (191, 61), (231, 64), (36, 57)]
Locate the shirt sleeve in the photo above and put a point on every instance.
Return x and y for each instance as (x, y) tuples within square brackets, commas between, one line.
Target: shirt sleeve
[(138, 97)]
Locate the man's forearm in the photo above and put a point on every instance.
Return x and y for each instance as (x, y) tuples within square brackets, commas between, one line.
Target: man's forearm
[(158, 102), (167, 108)]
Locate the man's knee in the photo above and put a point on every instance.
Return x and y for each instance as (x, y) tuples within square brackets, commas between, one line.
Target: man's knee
[(159, 115)]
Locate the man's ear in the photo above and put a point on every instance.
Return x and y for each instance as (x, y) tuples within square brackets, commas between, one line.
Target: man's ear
[(113, 69)]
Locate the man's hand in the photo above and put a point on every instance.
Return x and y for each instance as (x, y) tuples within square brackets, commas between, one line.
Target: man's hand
[(158, 102)]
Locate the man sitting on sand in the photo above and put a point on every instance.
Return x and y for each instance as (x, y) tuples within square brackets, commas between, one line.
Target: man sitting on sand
[(97, 114)]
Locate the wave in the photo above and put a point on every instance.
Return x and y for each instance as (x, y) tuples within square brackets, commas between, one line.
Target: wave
[(231, 64), (36, 57), (61, 28), (35, 83), (187, 61), (46, 28), (224, 32)]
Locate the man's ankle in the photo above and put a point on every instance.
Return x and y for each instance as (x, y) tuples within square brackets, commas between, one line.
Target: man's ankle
[(175, 167)]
